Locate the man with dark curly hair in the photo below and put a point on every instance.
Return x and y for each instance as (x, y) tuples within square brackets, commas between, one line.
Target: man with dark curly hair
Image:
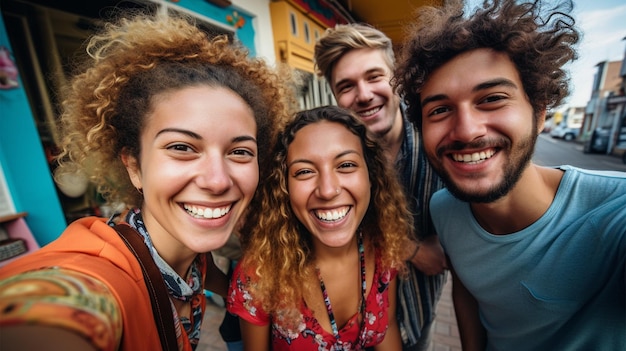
[(537, 254)]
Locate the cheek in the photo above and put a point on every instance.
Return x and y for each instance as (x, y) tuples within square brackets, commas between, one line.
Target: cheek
[(345, 100), (297, 198), (428, 137), (250, 180), (246, 178)]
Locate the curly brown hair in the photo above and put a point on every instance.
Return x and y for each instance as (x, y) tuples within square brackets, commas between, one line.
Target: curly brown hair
[(278, 248), (139, 57), (538, 39)]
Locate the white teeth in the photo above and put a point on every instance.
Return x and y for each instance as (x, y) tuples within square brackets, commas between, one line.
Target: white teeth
[(475, 157), (369, 112), (199, 212), (333, 215)]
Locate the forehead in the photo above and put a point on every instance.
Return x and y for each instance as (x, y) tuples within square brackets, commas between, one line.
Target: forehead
[(202, 109), (323, 138), (357, 62), (466, 71)]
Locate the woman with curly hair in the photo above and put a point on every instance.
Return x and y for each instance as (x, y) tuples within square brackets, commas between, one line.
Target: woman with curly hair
[(322, 254), (176, 125)]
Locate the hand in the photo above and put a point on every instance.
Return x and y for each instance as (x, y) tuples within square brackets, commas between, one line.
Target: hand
[(430, 258)]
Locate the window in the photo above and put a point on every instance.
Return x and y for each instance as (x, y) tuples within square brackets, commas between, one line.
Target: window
[(307, 36), (294, 24)]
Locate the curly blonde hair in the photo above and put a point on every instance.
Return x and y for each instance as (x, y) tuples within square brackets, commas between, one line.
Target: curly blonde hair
[(277, 247), (134, 60)]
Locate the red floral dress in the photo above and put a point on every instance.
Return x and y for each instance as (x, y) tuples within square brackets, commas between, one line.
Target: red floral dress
[(310, 335)]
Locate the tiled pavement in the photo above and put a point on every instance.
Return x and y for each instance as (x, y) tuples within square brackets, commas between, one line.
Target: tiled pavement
[(446, 334), (445, 337)]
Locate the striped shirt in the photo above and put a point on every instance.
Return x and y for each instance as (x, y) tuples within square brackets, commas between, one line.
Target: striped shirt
[(417, 295)]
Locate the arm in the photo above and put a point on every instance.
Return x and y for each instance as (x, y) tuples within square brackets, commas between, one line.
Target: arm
[(473, 335), (255, 337), (428, 256), (392, 340), (39, 337), (216, 281)]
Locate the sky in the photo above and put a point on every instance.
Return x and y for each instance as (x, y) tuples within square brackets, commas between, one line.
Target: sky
[(603, 26)]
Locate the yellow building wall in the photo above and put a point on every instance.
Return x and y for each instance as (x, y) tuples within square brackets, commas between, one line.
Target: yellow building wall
[(289, 25)]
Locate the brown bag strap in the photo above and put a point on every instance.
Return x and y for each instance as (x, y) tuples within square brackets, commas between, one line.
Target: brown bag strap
[(159, 297)]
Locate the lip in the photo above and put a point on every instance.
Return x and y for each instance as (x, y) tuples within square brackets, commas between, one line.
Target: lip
[(471, 168), (370, 112), (473, 157), (331, 215), (325, 225), (207, 211)]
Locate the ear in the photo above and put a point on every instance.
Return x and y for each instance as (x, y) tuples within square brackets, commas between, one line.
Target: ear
[(541, 120), (133, 169)]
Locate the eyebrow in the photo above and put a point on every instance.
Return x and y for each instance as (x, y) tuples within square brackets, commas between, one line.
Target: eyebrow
[(482, 86), (181, 131), (199, 137), (342, 154)]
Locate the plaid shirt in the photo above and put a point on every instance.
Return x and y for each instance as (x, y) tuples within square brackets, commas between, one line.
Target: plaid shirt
[(417, 295)]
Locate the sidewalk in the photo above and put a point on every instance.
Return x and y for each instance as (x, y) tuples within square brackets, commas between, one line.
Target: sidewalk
[(445, 334)]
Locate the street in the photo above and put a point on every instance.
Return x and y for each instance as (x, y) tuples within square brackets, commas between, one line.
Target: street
[(556, 152)]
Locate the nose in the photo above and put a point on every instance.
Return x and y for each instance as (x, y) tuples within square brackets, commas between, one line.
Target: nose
[(469, 124), (214, 174), (364, 93), (328, 185)]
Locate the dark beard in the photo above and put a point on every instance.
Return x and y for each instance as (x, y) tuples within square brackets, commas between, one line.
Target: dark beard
[(512, 174)]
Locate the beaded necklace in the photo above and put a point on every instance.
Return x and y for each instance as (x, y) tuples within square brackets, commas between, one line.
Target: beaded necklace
[(333, 323)]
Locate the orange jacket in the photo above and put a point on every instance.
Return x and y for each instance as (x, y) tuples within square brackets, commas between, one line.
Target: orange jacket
[(90, 246)]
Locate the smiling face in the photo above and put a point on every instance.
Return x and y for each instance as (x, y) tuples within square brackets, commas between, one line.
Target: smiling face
[(478, 126), (328, 182), (360, 82), (198, 168)]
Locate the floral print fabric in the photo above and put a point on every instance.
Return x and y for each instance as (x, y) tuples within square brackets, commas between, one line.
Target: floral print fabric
[(65, 298), (310, 335)]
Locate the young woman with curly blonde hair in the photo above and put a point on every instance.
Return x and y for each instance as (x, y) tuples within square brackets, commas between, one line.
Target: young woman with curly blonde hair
[(327, 241), (176, 125)]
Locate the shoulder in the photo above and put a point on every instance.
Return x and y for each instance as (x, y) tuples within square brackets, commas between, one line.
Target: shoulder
[(591, 185), (443, 199), (240, 301), (588, 174)]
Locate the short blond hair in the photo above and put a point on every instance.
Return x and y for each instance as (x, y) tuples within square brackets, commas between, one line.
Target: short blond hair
[(338, 41)]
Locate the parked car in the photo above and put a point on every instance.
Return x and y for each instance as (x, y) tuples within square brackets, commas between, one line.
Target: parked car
[(564, 132), (547, 126), (598, 142)]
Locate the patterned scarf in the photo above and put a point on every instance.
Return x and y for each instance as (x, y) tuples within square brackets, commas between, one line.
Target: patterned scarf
[(190, 290)]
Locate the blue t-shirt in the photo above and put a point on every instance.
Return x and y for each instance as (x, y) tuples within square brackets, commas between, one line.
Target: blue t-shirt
[(560, 283)]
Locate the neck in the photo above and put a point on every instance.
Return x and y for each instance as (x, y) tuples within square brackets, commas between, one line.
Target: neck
[(326, 256), (529, 199), (392, 140)]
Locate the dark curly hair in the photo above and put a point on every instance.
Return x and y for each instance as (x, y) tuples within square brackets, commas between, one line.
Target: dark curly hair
[(538, 38)]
